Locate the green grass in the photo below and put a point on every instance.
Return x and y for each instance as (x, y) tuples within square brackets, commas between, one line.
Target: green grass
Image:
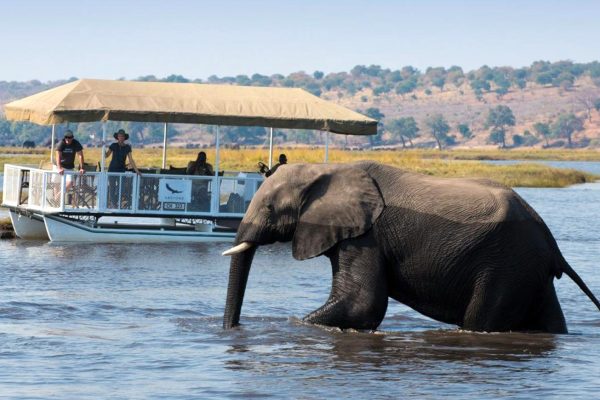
[(448, 163)]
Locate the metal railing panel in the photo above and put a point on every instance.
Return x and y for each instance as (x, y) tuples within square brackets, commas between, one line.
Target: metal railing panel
[(236, 193), (119, 192), (127, 193), (11, 187), (36, 189), (174, 193), (81, 194)]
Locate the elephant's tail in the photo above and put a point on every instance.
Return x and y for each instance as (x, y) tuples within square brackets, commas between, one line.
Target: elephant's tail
[(566, 268)]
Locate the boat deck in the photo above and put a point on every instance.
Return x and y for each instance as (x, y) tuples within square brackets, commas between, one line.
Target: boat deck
[(186, 202)]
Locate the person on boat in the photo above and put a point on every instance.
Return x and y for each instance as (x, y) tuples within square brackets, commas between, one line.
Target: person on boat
[(66, 150), (200, 195), (121, 152), (200, 166), (268, 172)]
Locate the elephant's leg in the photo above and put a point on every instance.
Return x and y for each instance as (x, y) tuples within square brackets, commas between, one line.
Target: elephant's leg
[(359, 296), (488, 311), (549, 317), (498, 305)]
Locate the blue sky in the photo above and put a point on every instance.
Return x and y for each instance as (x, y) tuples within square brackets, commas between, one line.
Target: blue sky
[(110, 39)]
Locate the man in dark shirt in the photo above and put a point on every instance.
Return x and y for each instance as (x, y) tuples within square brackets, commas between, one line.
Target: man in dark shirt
[(200, 195), (200, 166), (66, 150)]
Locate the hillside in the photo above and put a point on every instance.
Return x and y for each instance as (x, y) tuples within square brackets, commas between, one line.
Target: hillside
[(534, 103), (541, 93)]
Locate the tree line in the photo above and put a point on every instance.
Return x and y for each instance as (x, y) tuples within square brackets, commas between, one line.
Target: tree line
[(380, 81), (498, 121)]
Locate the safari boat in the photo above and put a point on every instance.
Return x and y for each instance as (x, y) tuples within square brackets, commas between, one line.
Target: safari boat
[(161, 205)]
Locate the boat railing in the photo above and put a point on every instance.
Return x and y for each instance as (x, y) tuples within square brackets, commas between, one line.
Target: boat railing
[(127, 193)]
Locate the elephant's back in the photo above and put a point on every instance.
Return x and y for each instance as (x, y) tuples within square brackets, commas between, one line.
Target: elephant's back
[(456, 199)]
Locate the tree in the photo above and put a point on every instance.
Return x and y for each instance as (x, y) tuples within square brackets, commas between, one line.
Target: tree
[(566, 125), (373, 112), (261, 80), (543, 130), (404, 128), (243, 80), (406, 86), (502, 83), (176, 78), (565, 80), (464, 131), (436, 77), (318, 75), (588, 100), (498, 119), (498, 136), (527, 139), (439, 128)]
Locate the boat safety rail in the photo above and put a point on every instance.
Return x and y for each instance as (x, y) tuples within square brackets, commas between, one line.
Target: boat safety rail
[(128, 193)]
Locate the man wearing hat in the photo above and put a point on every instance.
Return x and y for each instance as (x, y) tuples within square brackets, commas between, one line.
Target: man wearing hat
[(121, 152)]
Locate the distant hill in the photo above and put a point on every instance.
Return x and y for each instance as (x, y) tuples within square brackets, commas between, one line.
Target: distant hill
[(562, 95)]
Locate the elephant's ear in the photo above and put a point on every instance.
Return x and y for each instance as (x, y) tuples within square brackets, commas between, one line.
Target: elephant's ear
[(341, 203)]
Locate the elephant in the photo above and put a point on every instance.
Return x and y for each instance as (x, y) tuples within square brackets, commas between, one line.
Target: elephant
[(468, 252)]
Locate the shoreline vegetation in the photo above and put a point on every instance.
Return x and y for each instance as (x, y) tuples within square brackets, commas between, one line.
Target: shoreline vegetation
[(447, 163), (6, 229)]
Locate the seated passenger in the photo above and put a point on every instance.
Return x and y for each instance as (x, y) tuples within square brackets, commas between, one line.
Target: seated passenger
[(200, 166), (268, 172), (200, 193)]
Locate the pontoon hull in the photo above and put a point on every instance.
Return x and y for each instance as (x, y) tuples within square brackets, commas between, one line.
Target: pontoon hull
[(30, 227), (64, 230)]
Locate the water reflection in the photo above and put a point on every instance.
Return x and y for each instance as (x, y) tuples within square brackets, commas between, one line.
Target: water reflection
[(312, 346)]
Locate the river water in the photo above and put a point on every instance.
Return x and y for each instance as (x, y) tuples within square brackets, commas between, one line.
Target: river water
[(144, 321)]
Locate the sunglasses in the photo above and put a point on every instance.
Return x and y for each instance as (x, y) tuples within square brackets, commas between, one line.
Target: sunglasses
[(69, 137)]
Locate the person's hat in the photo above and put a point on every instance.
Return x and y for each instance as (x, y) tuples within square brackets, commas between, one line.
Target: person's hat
[(68, 133), (121, 132)]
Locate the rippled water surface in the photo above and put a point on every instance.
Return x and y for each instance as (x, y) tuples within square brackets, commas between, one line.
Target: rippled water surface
[(144, 321)]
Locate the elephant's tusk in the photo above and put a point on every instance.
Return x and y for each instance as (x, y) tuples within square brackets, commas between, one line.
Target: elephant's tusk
[(240, 248)]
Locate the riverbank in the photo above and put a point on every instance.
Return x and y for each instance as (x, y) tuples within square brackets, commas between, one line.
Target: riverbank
[(447, 163), (6, 229)]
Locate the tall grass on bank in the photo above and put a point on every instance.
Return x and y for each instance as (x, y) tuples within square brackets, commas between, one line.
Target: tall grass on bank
[(452, 163)]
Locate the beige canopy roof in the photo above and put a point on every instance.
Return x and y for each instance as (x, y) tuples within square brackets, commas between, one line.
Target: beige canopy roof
[(89, 100)]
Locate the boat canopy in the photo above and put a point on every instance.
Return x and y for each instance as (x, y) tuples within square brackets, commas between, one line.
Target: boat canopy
[(89, 100)]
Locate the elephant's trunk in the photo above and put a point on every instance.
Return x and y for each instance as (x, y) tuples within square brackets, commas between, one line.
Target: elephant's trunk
[(238, 277)]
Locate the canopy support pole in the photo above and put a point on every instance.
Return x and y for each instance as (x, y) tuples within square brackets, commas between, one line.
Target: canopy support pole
[(271, 148), (326, 146), (215, 191), (52, 145), (103, 158), (217, 158), (164, 160)]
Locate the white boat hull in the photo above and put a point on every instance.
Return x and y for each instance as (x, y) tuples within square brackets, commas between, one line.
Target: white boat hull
[(27, 227), (64, 230)]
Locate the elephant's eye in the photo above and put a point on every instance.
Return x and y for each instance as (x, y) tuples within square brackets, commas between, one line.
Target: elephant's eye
[(270, 207)]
